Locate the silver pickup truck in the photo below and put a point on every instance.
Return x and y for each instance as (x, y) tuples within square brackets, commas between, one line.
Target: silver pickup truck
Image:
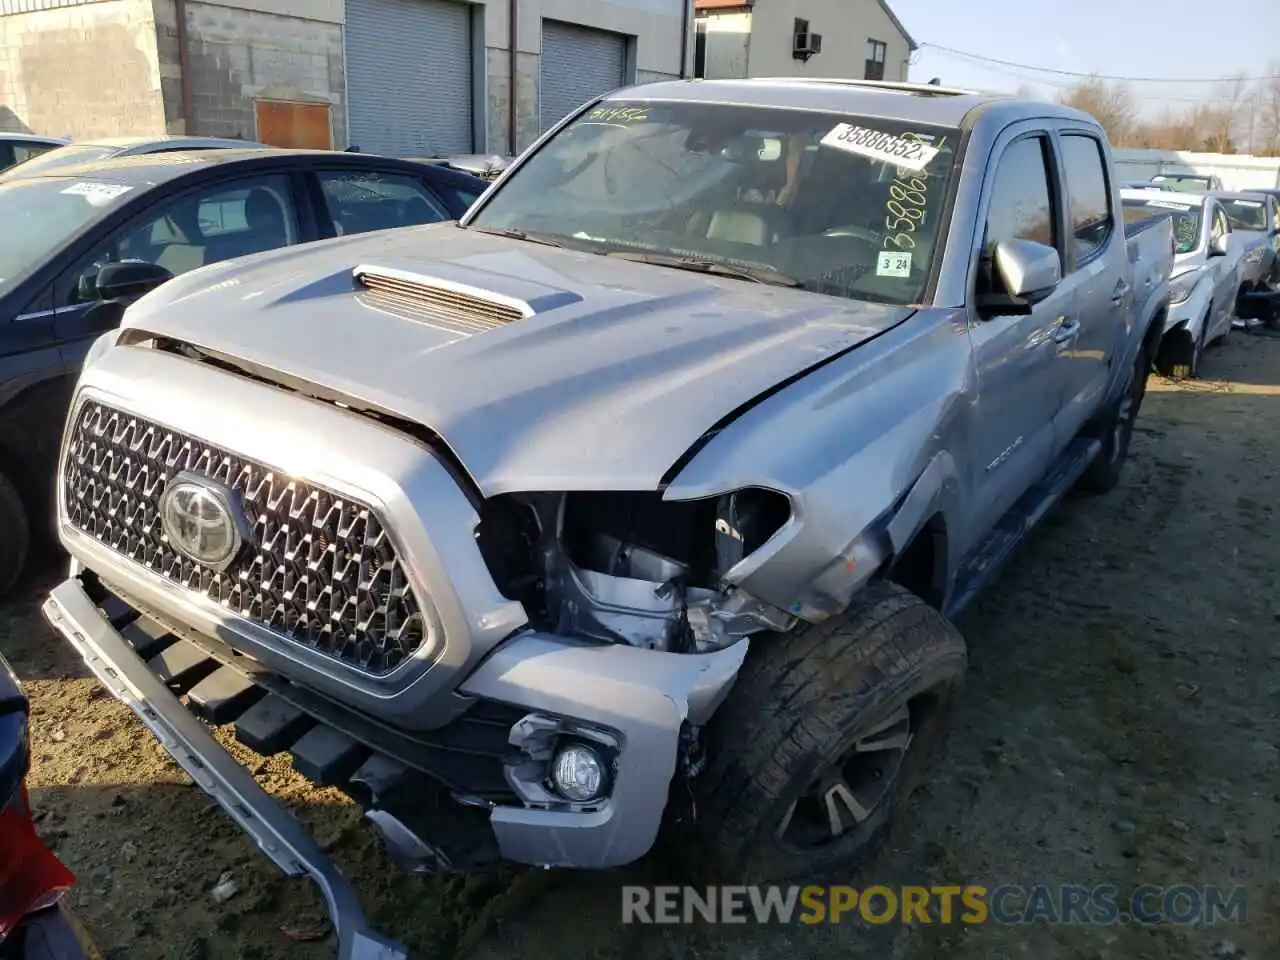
[(636, 503)]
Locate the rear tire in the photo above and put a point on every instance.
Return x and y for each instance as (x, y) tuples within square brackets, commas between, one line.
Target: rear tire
[(855, 704), (1116, 428), (15, 535)]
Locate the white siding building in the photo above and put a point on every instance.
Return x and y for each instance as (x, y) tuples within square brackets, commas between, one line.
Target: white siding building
[(857, 39)]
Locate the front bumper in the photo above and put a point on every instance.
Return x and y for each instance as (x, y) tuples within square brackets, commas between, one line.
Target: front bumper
[(284, 841), (488, 807)]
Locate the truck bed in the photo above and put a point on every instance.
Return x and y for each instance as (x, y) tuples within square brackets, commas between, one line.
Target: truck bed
[(1151, 254)]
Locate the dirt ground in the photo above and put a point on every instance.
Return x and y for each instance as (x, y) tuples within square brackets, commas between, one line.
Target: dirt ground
[(1120, 725)]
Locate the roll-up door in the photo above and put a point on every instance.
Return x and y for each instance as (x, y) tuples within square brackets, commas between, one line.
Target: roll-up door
[(578, 63), (409, 83)]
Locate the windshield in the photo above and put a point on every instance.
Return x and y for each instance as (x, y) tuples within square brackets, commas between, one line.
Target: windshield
[(61, 157), (1246, 214), (41, 215), (1183, 184), (1186, 219), (848, 206)]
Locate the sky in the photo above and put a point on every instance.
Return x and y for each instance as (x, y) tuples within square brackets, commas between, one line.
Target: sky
[(1177, 39)]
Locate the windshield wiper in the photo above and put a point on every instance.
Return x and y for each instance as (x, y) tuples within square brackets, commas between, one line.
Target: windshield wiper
[(717, 267), (519, 235)]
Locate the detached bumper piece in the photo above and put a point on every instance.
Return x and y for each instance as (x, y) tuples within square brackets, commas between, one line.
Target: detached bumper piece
[(150, 669)]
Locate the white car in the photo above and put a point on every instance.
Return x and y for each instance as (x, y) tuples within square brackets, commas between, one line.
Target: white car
[(1206, 278)]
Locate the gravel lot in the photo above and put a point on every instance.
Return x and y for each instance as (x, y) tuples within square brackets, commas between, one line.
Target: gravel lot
[(1120, 725)]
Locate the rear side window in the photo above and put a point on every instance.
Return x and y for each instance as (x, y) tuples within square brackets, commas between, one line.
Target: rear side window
[(360, 201), (23, 152), (1088, 199)]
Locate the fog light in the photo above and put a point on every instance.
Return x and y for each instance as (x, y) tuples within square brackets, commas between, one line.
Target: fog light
[(578, 773)]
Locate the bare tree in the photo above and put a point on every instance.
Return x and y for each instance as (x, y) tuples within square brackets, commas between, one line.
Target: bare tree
[(1112, 105), (1267, 129)]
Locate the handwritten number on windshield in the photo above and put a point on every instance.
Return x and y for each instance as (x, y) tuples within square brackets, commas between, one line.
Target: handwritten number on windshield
[(908, 201)]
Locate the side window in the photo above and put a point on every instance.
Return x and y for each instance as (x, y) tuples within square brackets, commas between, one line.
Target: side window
[(25, 151), (1221, 225), (8, 155), (200, 227), (362, 200), (1021, 204), (461, 196), (1088, 199)]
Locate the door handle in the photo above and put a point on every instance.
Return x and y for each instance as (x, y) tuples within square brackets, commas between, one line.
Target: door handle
[(1121, 289), (1067, 328)]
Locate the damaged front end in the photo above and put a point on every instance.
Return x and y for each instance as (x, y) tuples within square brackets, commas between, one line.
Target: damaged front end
[(633, 568)]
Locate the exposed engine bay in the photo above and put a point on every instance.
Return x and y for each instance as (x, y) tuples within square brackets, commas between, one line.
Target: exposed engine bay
[(630, 567)]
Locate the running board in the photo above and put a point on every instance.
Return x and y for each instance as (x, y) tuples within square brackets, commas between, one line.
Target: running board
[(987, 559)]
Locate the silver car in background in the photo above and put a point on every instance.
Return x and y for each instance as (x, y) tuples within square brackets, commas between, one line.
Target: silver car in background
[(1253, 222), (1205, 278)]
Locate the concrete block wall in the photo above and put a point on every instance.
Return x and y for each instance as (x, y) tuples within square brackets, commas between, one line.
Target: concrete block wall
[(653, 25), (236, 56), (87, 70)]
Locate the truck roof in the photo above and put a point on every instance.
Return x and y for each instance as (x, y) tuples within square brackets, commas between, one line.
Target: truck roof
[(944, 106)]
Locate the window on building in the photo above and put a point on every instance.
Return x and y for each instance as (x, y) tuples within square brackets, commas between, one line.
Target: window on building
[(700, 50), (877, 50)]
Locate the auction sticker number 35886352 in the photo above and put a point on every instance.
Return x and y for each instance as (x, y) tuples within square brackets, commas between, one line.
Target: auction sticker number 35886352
[(902, 152)]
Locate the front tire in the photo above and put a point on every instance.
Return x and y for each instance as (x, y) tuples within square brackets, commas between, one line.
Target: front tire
[(1188, 367), (15, 535), (817, 749), (1116, 428)]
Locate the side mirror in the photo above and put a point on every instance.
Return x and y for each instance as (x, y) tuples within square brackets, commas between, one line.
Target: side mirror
[(1220, 245), (132, 278), (1027, 268)]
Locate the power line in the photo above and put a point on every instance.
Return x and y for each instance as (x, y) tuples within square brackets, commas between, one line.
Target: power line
[(1087, 76)]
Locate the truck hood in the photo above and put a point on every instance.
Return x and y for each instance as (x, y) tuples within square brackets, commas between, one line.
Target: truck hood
[(613, 373)]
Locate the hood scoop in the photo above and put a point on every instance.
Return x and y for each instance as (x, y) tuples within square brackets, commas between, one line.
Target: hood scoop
[(455, 307)]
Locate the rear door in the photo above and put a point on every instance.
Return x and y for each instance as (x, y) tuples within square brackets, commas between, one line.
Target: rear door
[(1097, 286), (1015, 355)]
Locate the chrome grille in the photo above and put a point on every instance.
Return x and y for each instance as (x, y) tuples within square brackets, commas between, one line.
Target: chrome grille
[(318, 569)]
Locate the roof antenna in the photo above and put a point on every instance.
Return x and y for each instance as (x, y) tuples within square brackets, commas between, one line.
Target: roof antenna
[(935, 82)]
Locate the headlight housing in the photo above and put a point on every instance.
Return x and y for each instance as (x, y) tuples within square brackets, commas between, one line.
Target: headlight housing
[(1183, 287)]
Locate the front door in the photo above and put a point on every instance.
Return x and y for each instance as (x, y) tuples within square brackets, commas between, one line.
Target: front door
[(1097, 281), (208, 224), (1225, 271), (1015, 355)]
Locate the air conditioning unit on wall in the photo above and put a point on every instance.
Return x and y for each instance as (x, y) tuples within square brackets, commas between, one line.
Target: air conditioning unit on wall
[(804, 42)]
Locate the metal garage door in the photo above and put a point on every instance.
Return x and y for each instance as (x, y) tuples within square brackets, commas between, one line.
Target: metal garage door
[(409, 76), (577, 64)]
